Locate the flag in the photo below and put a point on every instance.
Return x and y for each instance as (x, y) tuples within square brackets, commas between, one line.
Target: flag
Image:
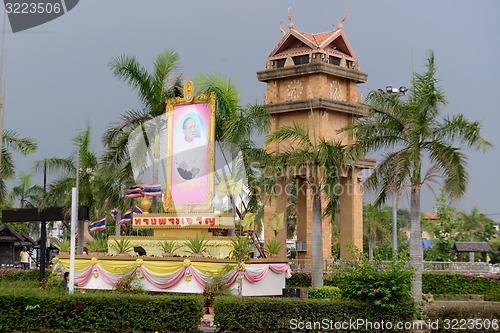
[(277, 221), (98, 225), (152, 189), (134, 191), (114, 212), (248, 222), (125, 217), (137, 210)]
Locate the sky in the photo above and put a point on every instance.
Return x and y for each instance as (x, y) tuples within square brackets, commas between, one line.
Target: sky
[(58, 77)]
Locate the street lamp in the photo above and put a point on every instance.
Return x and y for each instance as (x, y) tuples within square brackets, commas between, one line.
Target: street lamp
[(401, 91)]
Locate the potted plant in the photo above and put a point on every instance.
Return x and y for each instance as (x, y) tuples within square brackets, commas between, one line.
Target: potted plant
[(63, 246), (168, 247), (241, 251), (213, 286), (122, 246), (196, 245), (97, 246), (273, 248)]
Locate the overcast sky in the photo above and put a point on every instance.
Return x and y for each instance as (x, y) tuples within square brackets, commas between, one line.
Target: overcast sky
[(58, 78)]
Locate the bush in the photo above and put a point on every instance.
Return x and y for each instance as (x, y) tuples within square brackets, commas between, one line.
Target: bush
[(326, 292), (460, 283), (15, 274), (367, 281), (298, 280), (98, 312), (256, 314), (462, 314)]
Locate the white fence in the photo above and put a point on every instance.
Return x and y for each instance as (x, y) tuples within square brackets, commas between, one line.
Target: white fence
[(304, 265)]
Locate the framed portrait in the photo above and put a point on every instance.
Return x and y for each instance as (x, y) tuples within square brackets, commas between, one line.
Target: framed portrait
[(190, 152)]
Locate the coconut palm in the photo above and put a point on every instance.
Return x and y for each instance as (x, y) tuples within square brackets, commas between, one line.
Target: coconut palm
[(28, 195), (12, 142), (375, 222), (476, 225), (323, 161), (413, 128), (235, 128), (153, 89)]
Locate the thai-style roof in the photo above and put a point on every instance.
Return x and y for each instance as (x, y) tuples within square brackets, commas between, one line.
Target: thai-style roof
[(8, 234), (472, 247), (331, 43)]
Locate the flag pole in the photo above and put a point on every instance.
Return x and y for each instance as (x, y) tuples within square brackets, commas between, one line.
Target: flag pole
[(3, 77)]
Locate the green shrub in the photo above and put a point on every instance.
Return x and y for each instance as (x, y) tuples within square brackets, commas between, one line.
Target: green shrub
[(257, 314), (98, 312), (460, 283), (15, 274), (367, 281), (325, 292), (298, 280), (463, 314)]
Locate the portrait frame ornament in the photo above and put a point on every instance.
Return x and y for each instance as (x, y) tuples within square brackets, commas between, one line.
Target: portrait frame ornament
[(190, 195)]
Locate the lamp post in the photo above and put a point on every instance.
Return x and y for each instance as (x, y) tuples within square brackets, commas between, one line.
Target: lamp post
[(401, 91)]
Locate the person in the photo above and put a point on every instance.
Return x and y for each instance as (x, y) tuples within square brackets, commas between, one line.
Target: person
[(190, 151), (65, 281), (24, 258)]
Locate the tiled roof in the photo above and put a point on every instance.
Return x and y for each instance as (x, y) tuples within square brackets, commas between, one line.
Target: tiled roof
[(472, 247)]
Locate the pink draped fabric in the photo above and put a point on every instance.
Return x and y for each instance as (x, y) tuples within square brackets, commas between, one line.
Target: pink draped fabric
[(169, 281), (256, 276)]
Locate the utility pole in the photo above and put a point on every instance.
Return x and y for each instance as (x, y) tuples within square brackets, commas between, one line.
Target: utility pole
[(401, 91), (3, 76)]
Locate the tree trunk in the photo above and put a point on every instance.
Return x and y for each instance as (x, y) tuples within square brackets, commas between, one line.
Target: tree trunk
[(371, 241), (416, 250), (317, 241)]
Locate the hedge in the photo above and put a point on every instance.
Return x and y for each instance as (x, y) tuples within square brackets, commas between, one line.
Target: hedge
[(436, 283), (460, 283), (99, 312), (464, 316), (264, 315)]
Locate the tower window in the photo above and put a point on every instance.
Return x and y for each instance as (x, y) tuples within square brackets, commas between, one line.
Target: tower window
[(334, 60), (301, 60)]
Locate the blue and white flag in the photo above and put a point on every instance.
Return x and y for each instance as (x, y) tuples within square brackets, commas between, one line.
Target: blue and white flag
[(126, 217), (134, 192), (137, 210), (151, 189), (114, 212), (98, 225)]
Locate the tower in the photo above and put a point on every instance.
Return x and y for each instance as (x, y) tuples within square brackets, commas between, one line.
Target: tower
[(312, 80)]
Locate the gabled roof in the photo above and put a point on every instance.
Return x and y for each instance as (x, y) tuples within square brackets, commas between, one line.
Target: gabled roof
[(297, 42), (472, 247), (21, 238)]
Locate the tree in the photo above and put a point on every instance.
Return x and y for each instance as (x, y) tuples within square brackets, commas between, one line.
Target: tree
[(235, 127), (375, 223), (12, 142), (322, 162), (153, 89), (29, 196), (412, 129)]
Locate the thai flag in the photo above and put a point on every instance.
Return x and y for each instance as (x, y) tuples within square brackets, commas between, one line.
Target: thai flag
[(152, 189), (98, 225), (134, 192), (114, 212), (137, 210), (125, 217)]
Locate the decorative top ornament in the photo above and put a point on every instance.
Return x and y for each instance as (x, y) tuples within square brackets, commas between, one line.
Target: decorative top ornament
[(281, 28), (341, 25), (189, 91), (290, 25)]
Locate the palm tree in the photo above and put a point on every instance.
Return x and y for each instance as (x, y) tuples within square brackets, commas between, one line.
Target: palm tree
[(412, 129), (477, 225), (235, 127), (29, 196), (375, 222), (153, 89), (322, 161), (12, 142)]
